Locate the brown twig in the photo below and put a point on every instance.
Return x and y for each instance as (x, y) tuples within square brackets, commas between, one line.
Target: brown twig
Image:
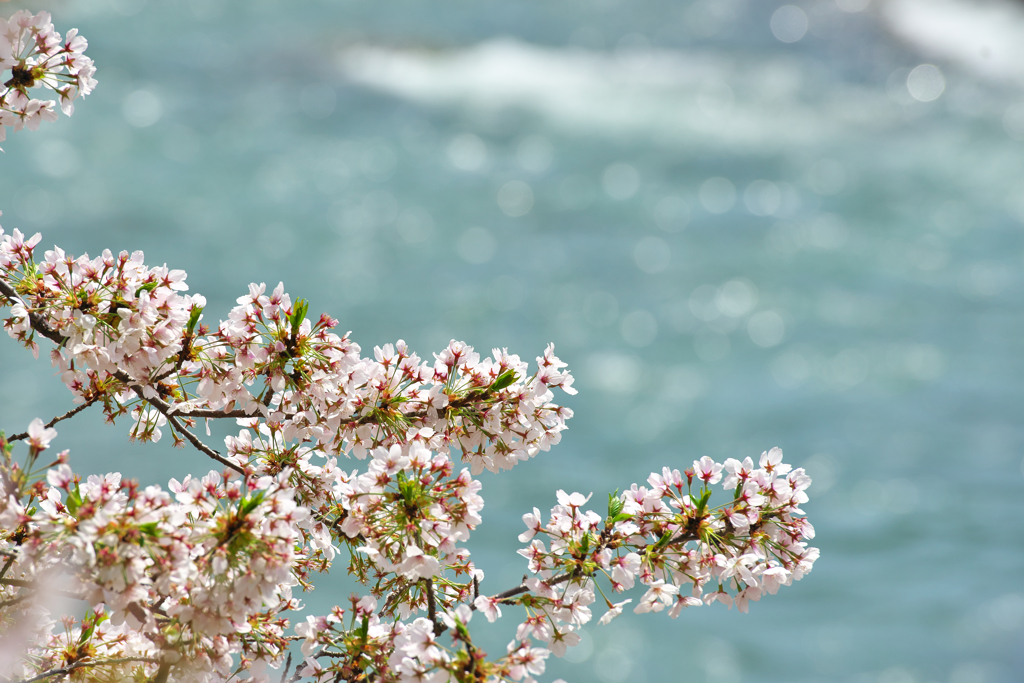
[(165, 408), (82, 665), (212, 414), (14, 601), (432, 607), (32, 584), (683, 538), (162, 673), (194, 440), (65, 416), (38, 324)]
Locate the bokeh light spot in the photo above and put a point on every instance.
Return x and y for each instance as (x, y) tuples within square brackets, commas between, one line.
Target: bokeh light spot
[(515, 198), (639, 328), (652, 255), (672, 213), (467, 152), (717, 195), (766, 329), (789, 23), (535, 153), (621, 181), (926, 83), (142, 108), (476, 245)]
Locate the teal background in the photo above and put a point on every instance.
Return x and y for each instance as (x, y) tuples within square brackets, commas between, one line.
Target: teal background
[(357, 151)]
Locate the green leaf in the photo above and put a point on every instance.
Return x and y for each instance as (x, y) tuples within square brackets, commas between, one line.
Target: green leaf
[(149, 287), (193, 318), (461, 629), (504, 380), (614, 505), (150, 529), (248, 505), (702, 503), (94, 620), (74, 501), (86, 634), (298, 315)]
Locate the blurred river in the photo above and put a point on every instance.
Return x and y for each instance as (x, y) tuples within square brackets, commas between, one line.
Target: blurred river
[(742, 225)]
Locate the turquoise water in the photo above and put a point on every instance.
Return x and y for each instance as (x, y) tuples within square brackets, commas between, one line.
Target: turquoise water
[(734, 241)]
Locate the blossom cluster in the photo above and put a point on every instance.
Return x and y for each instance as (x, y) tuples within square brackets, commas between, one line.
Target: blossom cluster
[(199, 582), (128, 332), (196, 583), (36, 56), (179, 575), (669, 538), (130, 339)]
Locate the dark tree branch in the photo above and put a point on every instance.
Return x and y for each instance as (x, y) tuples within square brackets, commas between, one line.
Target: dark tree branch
[(523, 588), (162, 673), (38, 324), (209, 413), (287, 665), (35, 586), (82, 665), (194, 440), (432, 607), (14, 601), (683, 538), (70, 413), (165, 408)]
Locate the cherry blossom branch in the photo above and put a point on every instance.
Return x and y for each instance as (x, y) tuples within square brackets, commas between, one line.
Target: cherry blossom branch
[(194, 440), (165, 408), (523, 588), (432, 607), (71, 413), (209, 413), (369, 418), (38, 324), (35, 586), (82, 665), (14, 601), (163, 673), (684, 538)]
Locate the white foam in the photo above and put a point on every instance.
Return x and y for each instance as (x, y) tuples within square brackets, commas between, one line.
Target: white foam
[(672, 96), (985, 36)]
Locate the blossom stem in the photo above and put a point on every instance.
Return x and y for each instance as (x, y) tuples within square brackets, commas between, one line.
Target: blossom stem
[(432, 606), (82, 665), (65, 416), (32, 584), (38, 324)]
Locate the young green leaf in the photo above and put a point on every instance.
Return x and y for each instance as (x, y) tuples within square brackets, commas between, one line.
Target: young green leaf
[(504, 380), (248, 505), (193, 319), (298, 315), (74, 501), (149, 287), (614, 505)]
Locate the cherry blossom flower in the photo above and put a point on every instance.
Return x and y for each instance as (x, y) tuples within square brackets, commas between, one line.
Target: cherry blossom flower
[(489, 607), (39, 436), (708, 470), (36, 57), (613, 611), (335, 451)]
